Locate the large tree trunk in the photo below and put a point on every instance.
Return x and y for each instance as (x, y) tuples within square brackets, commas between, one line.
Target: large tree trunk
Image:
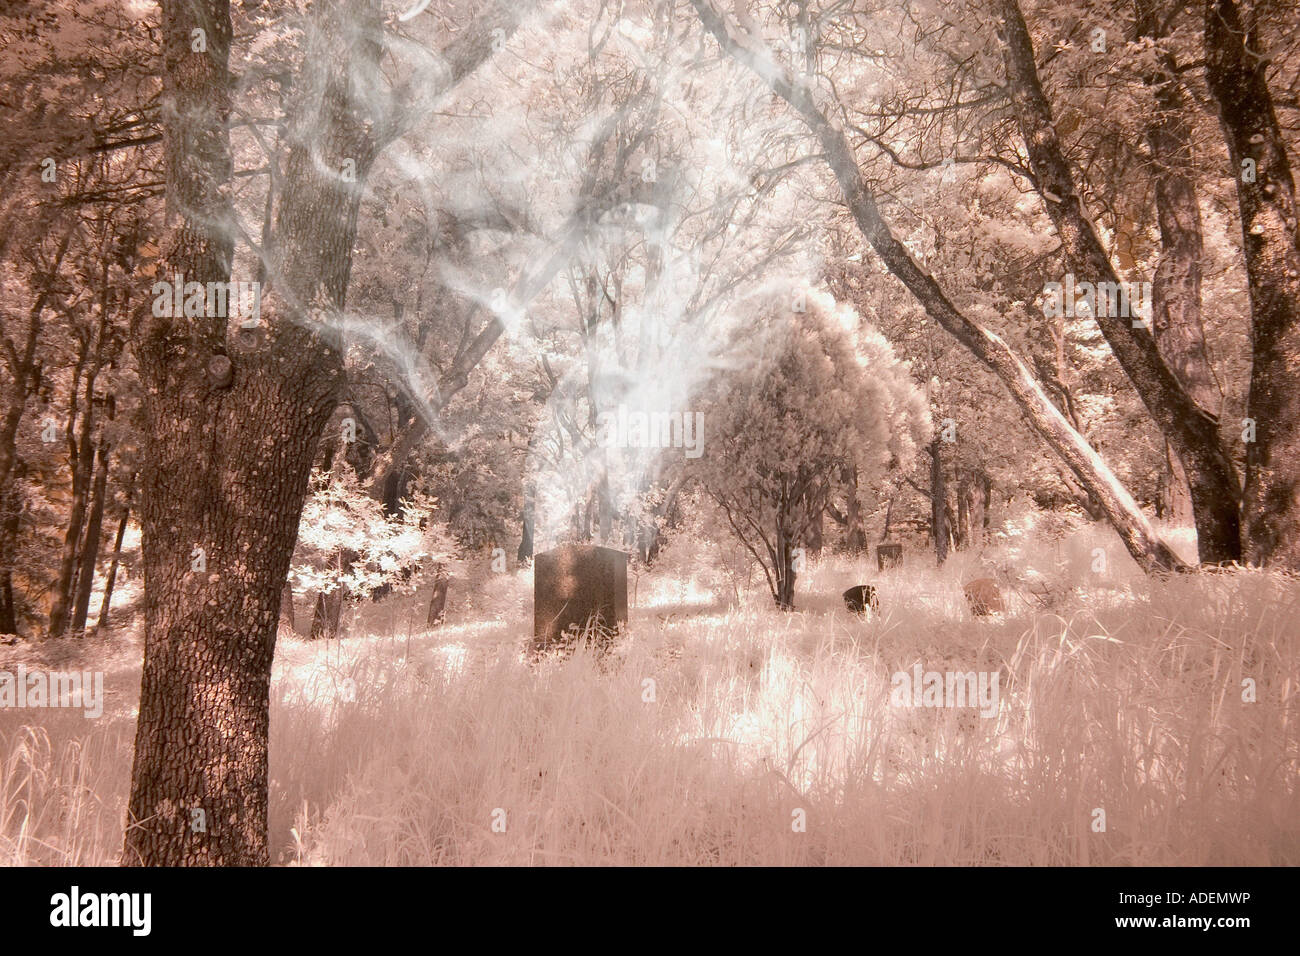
[(1191, 430), (1176, 284), (232, 431), (1132, 526), (1236, 70), (233, 422)]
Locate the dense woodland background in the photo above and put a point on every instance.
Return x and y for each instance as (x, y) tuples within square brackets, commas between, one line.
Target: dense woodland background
[(829, 229)]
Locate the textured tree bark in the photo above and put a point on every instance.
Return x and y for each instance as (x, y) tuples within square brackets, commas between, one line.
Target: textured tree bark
[(1176, 284), (1236, 71), (1191, 430), (233, 421), (1176, 306), (233, 426), (1132, 526)]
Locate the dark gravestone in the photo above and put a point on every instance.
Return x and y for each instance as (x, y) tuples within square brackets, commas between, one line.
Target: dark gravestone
[(889, 555), (860, 597), (438, 602), (576, 584), (984, 597)]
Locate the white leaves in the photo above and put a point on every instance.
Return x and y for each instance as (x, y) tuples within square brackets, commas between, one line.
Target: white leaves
[(340, 516)]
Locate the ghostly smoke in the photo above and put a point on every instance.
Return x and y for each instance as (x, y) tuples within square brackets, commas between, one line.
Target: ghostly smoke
[(627, 193)]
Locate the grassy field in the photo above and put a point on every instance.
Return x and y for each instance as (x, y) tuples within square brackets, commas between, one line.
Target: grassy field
[(721, 724)]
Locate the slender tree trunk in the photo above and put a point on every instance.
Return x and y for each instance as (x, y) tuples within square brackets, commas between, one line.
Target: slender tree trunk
[(605, 510), (1190, 429), (938, 503), (525, 552), (326, 619), (8, 612), (814, 536), (889, 517), (90, 546), (82, 463), (10, 521), (286, 607), (986, 505), (102, 621), (967, 505), (785, 572), (1132, 526), (1236, 71)]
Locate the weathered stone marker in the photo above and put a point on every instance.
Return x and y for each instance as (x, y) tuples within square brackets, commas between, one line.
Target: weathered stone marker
[(438, 602), (860, 597), (984, 597), (889, 556), (574, 584)]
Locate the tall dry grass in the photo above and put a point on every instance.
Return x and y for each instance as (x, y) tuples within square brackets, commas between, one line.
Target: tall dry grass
[(714, 724)]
